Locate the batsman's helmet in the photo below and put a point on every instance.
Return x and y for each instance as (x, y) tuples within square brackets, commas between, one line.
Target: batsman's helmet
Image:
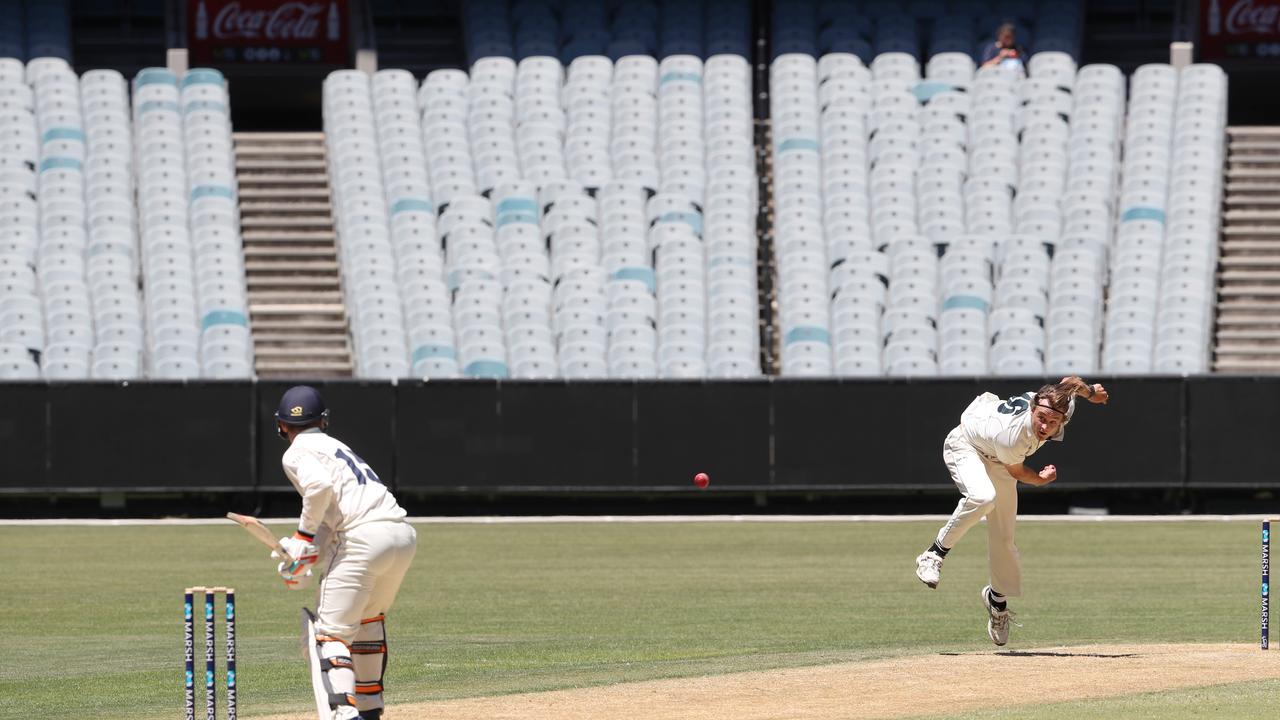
[(302, 405)]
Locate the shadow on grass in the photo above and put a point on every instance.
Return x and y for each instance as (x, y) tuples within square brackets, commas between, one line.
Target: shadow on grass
[(1042, 653)]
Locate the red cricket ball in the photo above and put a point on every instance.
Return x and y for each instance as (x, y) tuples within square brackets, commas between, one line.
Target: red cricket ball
[(701, 480)]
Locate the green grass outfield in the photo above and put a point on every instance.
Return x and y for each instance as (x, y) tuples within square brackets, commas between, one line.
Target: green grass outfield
[(91, 616)]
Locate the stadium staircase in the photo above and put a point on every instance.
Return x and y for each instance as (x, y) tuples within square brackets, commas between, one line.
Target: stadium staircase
[(296, 310), (1248, 332)]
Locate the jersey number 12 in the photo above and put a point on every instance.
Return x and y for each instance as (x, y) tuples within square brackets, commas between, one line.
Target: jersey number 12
[(359, 468)]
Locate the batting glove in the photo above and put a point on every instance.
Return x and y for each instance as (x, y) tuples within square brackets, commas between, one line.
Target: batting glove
[(300, 547), (295, 576), (301, 555)]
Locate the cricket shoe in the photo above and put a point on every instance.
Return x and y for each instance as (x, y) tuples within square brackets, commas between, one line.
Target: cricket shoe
[(929, 568), (997, 620)]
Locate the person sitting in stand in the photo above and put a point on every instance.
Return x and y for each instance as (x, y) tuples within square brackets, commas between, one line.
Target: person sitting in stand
[(1005, 51)]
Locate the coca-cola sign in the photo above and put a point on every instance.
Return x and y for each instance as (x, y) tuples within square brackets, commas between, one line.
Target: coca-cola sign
[(273, 31), (1239, 29)]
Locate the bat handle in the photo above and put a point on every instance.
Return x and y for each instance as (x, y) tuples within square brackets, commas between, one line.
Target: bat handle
[(294, 565)]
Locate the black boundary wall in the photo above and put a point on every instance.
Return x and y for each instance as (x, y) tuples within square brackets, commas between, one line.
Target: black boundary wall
[(468, 437)]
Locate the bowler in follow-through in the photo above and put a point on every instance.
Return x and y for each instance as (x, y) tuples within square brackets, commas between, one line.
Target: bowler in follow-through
[(985, 455)]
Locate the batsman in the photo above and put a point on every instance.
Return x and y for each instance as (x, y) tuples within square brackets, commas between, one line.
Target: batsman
[(985, 455), (350, 522)]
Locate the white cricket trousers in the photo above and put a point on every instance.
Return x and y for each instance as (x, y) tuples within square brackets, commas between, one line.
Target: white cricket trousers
[(362, 580), (987, 490)]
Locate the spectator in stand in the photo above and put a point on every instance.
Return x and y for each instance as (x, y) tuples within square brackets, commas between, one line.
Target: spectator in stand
[(1005, 51)]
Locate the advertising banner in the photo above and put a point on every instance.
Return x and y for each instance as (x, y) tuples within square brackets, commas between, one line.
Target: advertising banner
[(1239, 29), (267, 31)]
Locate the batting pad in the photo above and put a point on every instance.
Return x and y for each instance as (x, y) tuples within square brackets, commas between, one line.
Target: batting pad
[(369, 655), (332, 671)]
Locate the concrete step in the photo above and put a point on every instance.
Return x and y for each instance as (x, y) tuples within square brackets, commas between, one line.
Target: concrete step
[(302, 326), (1250, 290), (289, 256), (251, 137), (291, 193), (1240, 367), (1247, 306), (271, 298), (1251, 159), (291, 266), (1252, 174), (280, 166), (1251, 189), (275, 180), (290, 222), (265, 283), (1256, 246), (1251, 232), (1249, 145), (1250, 275), (1243, 349), (286, 252), (299, 151), (1249, 334), (1246, 365), (285, 249), (322, 352), (1261, 201), (288, 236), (1258, 132), (306, 369), (319, 208), (273, 307), (308, 356), (293, 280), (287, 369), (1231, 200), (1238, 318), (275, 337), (1258, 259), (1259, 163), (1251, 217), (294, 374)]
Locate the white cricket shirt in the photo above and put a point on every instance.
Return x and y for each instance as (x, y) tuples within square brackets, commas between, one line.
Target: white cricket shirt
[(1000, 429), (338, 489)]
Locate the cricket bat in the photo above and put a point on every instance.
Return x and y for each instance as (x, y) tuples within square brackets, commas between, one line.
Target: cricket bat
[(262, 534)]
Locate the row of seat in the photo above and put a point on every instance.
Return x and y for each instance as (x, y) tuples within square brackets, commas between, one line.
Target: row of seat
[(35, 29), (193, 260), (70, 306), (1188, 259), (619, 218), (909, 217), (536, 220), (71, 259), (922, 28), (569, 29)]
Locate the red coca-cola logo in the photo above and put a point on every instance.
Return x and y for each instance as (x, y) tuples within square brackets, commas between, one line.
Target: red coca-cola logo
[(1248, 17), (290, 21)]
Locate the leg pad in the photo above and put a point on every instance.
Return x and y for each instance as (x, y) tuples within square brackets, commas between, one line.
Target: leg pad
[(369, 654)]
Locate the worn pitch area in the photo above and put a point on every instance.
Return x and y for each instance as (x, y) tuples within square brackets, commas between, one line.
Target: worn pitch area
[(900, 687)]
